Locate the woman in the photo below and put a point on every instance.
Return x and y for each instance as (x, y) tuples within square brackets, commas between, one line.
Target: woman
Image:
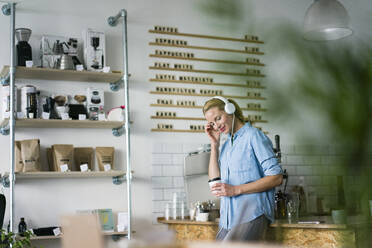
[(248, 169)]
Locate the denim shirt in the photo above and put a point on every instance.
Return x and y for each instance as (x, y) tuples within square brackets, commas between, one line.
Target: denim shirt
[(248, 159)]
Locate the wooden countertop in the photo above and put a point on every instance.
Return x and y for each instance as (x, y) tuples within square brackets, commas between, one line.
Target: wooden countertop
[(187, 221), (285, 224), (326, 223)]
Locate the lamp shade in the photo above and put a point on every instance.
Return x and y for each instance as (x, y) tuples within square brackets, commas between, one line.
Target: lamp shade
[(326, 20)]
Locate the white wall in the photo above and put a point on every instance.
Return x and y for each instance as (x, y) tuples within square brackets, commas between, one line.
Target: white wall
[(41, 202)]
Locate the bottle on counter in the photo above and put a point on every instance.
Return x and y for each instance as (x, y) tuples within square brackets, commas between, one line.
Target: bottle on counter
[(22, 227), (280, 205), (167, 211), (182, 210), (192, 212), (174, 209)]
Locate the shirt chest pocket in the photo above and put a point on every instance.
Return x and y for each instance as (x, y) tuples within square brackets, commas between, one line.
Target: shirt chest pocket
[(243, 166)]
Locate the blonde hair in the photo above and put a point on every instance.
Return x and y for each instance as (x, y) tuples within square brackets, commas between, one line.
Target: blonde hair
[(215, 102)]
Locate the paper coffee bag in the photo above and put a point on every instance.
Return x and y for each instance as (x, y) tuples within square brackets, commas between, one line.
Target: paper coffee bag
[(84, 155), (30, 152), (49, 153), (18, 157), (105, 158), (63, 155)]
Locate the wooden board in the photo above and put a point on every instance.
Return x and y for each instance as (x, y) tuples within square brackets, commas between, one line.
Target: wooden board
[(175, 106), (206, 36), (69, 174), (207, 95), (176, 130), (208, 60), (195, 119), (182, 130), (208, 72), (206, 48), (63, 75), (60, 236), (178, 118), (204, 83), (41, 123), (199, 107)]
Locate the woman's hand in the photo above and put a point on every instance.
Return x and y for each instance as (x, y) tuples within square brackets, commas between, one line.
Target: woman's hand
[(214, 135), (223, 189)]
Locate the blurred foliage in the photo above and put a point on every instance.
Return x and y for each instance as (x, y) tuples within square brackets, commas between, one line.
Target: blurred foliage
[(332, 81), (227, 10), (10, 239)]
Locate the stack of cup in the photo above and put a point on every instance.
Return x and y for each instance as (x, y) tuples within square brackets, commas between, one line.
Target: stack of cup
[(174, 209)]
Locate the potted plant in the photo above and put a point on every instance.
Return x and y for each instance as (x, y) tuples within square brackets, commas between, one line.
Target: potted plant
[(10, 239)]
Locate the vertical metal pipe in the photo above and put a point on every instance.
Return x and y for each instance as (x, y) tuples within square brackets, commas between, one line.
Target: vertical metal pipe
[(127, 124), (12, 113)]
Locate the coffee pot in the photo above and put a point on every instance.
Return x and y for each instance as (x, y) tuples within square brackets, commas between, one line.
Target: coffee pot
[(66, 62), (58, 47)]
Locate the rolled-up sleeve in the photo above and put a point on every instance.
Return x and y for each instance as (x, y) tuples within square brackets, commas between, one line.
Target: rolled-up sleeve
[(263, 150)]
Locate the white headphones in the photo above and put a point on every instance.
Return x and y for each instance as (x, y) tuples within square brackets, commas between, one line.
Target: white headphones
[(229, 107)]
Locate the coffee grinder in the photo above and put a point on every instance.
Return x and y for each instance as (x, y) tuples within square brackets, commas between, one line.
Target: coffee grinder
[(24, 51)]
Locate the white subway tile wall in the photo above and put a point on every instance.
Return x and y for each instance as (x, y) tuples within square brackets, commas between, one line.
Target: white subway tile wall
[(157, 194), (314, 167), (167, 174), (162, 182)]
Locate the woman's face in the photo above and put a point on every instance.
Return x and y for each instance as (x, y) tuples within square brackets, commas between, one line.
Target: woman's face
[(219, 120)]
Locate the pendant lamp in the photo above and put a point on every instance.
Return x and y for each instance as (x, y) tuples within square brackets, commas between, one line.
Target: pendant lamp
[(326, 20)]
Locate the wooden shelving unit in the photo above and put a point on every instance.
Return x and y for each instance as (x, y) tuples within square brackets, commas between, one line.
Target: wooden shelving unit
[(207, 60), (63, 75), (199, 107), (204, 83), (209, 72), (193, 119), (207, 48), (206, 36), (69, 174), (45, 237), (207, 95), (60, 236), (41, 123)]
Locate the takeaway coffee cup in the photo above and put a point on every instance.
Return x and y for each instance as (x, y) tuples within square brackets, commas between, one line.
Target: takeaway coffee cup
[(213, 181)]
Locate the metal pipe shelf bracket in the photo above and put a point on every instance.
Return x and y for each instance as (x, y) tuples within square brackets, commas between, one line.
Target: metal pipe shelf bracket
[(113, 21)]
